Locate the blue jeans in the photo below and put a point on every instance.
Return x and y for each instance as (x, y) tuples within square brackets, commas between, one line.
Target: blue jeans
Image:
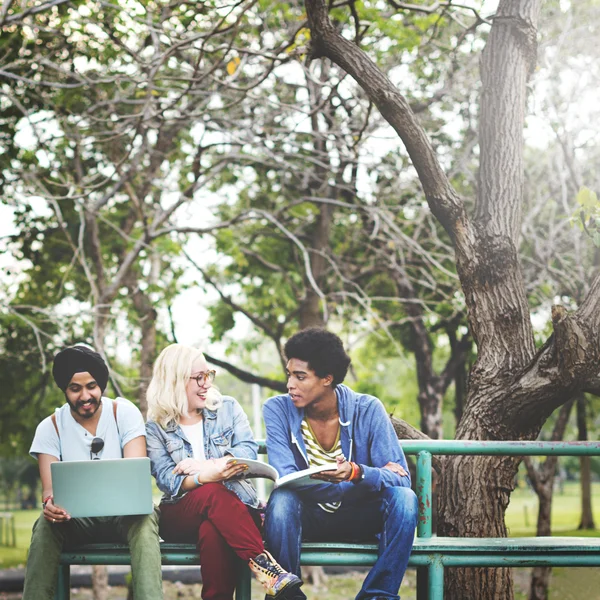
[(390, 514)]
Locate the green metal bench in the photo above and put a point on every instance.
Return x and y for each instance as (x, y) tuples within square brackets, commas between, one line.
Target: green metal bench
[(433, 553)]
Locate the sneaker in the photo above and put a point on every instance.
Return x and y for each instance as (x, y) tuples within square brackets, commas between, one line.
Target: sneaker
[(278, 583)]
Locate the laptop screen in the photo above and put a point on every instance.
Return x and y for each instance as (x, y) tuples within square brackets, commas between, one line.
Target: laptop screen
[(103, 488)]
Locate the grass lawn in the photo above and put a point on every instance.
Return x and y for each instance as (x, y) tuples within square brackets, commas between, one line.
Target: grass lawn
[(13, 557), (521, 515)]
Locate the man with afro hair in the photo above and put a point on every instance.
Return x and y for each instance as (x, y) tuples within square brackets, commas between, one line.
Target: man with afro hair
[(320, 421)]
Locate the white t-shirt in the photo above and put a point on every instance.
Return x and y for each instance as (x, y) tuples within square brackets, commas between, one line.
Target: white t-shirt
[(75, 441), (195, 436)]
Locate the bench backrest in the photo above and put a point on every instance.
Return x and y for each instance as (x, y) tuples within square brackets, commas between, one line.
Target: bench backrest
[(425, 449)]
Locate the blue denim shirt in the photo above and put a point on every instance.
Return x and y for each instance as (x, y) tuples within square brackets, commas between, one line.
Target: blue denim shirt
[(366, 434), (226, 431)]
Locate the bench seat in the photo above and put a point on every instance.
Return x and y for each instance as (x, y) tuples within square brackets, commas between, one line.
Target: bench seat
[(332, 553), (434, 553)]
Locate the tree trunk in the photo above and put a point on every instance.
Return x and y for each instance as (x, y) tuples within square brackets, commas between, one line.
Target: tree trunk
[(540, 582), (587, 515), (311, 310), (430, 405), (540, 576), (473, 497), (101, 316), (513, 387), (100, 582), (147, 316), (542, 480)]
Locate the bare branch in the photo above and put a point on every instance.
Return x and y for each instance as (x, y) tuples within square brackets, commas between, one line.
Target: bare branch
[(34, 10), (247, 377), (442, 198)]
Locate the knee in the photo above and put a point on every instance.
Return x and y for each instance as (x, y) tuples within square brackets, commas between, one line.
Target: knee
[(403, 501), (145, 527), (212, 490), (46, 536), (43, 529), (282, 506), (40, 524)]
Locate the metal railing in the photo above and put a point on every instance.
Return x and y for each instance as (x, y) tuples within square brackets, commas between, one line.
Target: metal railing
[(424, 450)]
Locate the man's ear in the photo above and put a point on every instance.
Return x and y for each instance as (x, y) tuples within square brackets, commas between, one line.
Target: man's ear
[(328, 380)]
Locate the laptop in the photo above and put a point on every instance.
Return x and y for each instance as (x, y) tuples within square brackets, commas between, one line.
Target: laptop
[(103, 488)]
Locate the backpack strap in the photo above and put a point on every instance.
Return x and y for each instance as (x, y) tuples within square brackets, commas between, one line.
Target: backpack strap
[(115, 403), (53, 417)]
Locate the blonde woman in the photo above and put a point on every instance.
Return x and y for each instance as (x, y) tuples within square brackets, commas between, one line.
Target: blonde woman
[(192, 434)]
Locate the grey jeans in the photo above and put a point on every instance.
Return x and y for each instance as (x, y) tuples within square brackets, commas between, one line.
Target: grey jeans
[(48, 540)]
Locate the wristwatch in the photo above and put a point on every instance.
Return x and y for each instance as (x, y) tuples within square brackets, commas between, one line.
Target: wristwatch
[(46, 500), (361, 475)]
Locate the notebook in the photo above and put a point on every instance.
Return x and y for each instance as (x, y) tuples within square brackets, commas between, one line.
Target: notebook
[(103, 488)]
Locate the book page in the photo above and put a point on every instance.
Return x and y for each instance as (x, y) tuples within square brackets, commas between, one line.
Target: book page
[(256, 468), (303, 478)]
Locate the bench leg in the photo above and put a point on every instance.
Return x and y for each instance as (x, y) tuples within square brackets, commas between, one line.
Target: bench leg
[(63, 586), (436, 579), (422, 583), (242, 590)]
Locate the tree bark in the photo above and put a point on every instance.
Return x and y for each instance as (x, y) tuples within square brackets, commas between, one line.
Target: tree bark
[(147, 316)]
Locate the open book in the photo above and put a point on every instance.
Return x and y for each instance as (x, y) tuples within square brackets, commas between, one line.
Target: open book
[(292, 480)]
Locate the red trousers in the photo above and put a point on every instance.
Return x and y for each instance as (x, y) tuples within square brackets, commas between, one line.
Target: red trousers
[(223, 527)]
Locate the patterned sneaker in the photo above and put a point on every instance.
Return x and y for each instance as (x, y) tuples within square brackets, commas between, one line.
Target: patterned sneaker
[(278, 583)]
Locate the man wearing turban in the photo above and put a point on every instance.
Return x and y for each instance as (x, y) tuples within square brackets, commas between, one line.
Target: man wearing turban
[(88, 426)]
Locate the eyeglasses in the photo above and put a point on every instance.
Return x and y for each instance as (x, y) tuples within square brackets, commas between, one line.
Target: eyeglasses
[(202, 377), (96, 447)]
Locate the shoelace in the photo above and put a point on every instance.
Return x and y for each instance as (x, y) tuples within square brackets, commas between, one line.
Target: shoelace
[(274, 567)]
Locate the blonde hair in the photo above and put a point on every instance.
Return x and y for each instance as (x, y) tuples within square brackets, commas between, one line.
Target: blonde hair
[(166, 395)]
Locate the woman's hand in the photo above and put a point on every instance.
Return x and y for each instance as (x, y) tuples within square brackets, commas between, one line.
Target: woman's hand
[(188, 466), (212, 470), (53, 513)]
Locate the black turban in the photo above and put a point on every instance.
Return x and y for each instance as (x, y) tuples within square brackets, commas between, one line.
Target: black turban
[(79, 359)]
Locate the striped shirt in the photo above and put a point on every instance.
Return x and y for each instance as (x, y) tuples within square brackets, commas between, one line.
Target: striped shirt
[(317, 455)]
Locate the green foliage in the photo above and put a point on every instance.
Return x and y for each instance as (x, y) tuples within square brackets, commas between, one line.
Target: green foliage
[(28, 392), (587, 217)]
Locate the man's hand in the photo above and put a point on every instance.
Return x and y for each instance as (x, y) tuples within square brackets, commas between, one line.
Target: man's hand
[(396, 468), (212, 470), (342, 473), (55, 514)]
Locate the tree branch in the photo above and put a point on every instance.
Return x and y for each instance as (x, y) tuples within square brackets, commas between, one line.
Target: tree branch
[(246, 376), (442, 199), (30, 11), (593, 386)]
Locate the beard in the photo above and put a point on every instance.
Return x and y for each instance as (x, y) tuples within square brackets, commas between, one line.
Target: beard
[(77, 407)]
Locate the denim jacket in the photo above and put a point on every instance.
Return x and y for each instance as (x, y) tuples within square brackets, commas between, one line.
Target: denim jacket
[(366, 434), (226, 431)]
